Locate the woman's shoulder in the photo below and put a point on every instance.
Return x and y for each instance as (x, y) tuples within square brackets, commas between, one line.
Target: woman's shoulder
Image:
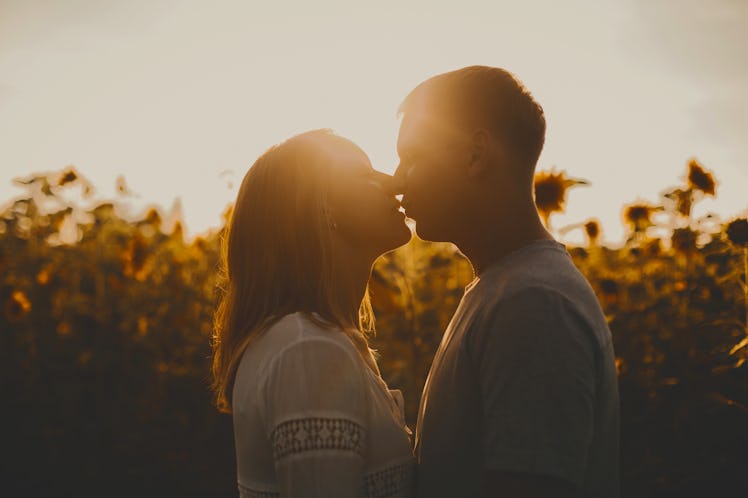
[(300, 332), (314, 362), (296, 350)]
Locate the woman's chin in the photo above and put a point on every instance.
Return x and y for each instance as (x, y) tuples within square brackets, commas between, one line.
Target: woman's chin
[(400, 237)]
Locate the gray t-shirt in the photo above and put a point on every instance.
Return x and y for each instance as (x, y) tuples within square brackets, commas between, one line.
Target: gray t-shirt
[(524, 381)]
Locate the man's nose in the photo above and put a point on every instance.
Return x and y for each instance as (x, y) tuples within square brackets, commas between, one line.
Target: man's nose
[(398, 179), (388, 184)]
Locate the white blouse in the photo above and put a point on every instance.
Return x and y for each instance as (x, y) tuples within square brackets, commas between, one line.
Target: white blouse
[(311, 419)]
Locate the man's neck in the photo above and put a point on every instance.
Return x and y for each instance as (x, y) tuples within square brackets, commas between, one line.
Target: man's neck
[(490, 241)]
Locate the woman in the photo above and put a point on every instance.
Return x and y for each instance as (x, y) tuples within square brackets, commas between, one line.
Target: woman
[(312, 415)]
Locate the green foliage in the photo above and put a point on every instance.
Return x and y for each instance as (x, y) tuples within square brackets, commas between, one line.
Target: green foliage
[(105, 345)]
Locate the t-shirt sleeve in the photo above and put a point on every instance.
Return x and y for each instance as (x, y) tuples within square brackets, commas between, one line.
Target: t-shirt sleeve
[(535, 362), (316, 420)]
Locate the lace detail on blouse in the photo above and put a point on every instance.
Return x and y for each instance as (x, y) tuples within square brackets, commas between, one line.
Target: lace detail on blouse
[(392, 481), (245, 492), (310, 434)]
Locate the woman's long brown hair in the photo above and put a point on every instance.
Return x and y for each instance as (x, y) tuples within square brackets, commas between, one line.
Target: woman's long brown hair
[(277, 255)]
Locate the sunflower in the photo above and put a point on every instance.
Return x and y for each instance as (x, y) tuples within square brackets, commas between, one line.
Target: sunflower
[(683, 240), (737, 232), (17, 306), (42, 278), (699, 178), (68, 176), (592, 229), (550, 191), (683, 200), (64, 329), (653, 248), (138, 251), (153, 218), (639, 216), (103, 212), (610, 290), (200, 244)]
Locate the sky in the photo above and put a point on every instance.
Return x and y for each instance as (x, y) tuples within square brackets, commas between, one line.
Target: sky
[(180, 97)]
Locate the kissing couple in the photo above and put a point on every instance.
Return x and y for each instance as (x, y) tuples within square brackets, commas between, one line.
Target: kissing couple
[(521, 399)]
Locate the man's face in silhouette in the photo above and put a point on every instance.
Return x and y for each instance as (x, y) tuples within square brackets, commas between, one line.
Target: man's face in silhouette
[(432, 170)]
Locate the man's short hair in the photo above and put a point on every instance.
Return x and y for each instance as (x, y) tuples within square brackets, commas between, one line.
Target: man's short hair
[(482, 96)]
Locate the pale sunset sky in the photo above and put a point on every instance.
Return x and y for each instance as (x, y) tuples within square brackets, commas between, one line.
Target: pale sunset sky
[(180, 97)]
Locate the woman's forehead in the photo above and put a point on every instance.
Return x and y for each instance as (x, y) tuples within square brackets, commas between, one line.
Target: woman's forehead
[(347, 156)]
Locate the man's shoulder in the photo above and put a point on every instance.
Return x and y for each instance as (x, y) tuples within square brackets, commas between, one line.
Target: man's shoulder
[(544, 279), (528, 303), (538, 318), (529, 292)]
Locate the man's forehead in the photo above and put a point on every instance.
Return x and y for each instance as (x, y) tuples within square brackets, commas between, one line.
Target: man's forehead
[(425, 129)]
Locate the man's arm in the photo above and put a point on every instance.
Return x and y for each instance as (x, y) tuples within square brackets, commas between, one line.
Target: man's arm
[(536, 371)]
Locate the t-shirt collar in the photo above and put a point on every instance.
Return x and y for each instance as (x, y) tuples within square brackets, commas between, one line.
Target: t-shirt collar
[(502, 262)]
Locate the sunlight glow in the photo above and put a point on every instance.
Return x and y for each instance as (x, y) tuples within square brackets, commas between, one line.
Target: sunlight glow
[(181, 97)]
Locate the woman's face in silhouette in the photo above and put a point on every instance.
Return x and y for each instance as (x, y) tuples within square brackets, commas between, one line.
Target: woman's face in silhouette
[(361, 204)]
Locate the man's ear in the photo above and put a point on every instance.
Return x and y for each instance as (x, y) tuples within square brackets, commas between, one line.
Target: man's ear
[(330, 218), (480, 154)]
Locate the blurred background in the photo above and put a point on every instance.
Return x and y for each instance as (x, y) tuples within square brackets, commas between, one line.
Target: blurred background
[(125, 128)]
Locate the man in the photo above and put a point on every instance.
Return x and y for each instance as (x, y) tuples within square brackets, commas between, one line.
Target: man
[(521, 399)]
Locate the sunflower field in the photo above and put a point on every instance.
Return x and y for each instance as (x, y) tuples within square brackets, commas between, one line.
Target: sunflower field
[(105, 333)]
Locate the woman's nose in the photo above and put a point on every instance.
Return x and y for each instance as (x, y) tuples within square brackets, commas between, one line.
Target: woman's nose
[(390, 184)]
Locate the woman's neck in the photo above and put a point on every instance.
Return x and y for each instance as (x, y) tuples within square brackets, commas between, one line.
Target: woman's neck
[(351, 272)]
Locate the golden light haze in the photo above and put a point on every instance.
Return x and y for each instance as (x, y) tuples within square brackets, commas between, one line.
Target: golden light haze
[(180, 97)]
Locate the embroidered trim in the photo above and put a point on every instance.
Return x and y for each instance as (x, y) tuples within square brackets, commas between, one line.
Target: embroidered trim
[(310, 434), (392, 481), (245, 492)]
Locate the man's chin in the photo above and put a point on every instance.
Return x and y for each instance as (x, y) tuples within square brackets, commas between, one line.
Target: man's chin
[(429, 234)]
